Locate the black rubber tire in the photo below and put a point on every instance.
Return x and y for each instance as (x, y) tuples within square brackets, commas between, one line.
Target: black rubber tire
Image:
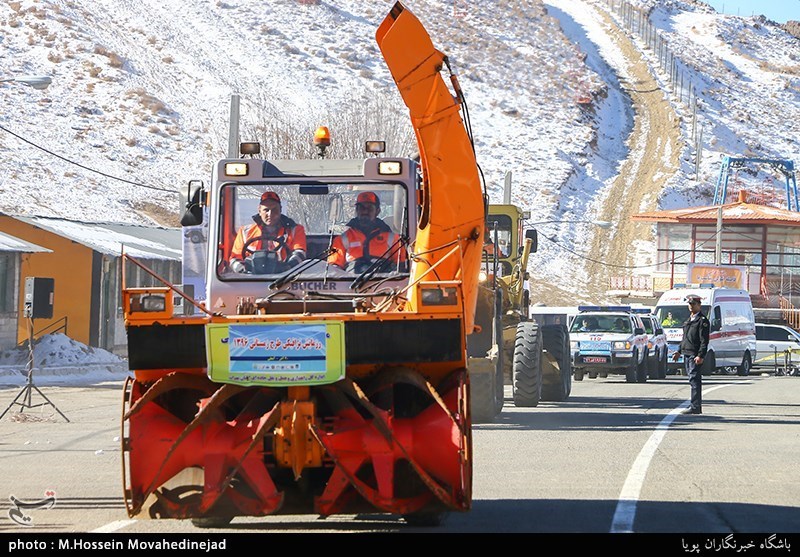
[(555, 340), (662, 364), (482, 398), (592, 375), (630, 372), (641, 369), (527, 365), (577, 373), (652, 364), (747, 364)]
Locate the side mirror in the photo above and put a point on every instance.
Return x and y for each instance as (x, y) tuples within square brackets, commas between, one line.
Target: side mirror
[(193, 216), (716, 324), (638, 331), (532, 235)]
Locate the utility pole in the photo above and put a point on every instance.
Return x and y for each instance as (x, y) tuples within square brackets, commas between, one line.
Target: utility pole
[(718, 253)]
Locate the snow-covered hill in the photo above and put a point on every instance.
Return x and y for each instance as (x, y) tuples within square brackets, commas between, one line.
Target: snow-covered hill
[(141, 89)]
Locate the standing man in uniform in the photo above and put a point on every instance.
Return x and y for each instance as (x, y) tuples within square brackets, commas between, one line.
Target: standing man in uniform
[(693, 348)]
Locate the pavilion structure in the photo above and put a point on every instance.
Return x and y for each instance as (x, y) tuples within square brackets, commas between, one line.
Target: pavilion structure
[(761, 243)]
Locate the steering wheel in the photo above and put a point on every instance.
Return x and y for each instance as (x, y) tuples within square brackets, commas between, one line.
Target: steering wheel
[(280, 241)]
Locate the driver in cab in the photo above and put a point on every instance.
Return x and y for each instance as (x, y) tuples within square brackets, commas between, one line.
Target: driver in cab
[(366, 236), (271, 232)]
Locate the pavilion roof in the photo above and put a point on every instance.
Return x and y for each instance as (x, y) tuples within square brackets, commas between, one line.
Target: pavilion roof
[(740, 211)]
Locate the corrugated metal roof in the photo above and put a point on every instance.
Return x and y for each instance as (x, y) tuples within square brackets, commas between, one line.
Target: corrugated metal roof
[(12, 243), (139, 241), (740, 212)]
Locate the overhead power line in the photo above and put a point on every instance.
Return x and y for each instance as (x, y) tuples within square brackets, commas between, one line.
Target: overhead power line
[(576, 254), (31, 143)]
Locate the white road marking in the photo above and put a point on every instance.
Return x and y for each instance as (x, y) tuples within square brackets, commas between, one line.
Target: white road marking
[(625, 513)]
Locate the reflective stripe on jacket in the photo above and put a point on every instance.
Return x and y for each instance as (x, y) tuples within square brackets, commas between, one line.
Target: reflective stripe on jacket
[(353, 244), (294, 236)]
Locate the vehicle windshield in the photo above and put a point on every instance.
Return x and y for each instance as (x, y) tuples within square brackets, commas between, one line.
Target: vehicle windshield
[(601, 324), (310, 215), (674, 316), (503, 223)]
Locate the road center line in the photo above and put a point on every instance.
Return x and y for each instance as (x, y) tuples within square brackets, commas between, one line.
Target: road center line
[(625, 513)]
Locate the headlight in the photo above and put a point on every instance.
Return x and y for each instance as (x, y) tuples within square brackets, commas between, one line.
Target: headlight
[(482, 276), (621, 345), (153, 302), (235, 169), (574, 345), (389, 167), (439, 296)]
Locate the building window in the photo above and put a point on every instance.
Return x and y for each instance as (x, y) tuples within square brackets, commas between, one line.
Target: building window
[(8, 271)]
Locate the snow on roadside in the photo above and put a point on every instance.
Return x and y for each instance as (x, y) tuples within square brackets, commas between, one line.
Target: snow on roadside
[(60, 360)]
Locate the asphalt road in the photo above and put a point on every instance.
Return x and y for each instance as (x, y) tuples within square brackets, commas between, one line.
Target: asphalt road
[(614, 458)]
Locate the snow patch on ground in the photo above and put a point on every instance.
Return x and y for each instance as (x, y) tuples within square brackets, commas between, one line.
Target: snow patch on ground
[(58, 359)]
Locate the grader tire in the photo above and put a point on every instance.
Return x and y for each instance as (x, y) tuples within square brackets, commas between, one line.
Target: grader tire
[(527, 365), (483, 405), (558, 385)]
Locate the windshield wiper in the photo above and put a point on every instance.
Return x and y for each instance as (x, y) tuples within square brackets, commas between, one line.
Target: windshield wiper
[(294, 272), (372, 270)]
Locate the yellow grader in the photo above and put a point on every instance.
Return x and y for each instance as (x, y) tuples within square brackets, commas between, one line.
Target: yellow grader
[(507, 345), (317, 389)]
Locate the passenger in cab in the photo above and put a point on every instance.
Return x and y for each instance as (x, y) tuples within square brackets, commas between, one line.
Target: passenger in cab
[(271, 232), (367, 237), (670, 321), (621, 326)]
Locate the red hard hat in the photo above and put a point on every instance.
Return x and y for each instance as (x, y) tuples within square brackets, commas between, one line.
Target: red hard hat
[(269, 195), (368, 197)]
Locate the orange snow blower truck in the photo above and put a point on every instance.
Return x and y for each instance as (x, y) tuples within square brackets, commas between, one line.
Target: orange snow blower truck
[(317, 388)]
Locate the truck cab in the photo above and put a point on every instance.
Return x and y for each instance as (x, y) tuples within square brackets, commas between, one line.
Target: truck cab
[(319, 196), (608, 339)]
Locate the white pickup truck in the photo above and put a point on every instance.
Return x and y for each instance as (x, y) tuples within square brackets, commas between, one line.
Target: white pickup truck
[(608, 339)]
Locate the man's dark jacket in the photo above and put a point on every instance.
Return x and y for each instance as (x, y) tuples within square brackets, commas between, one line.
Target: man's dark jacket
[(695, 336)]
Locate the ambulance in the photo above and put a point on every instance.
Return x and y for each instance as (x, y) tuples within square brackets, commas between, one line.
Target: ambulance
[(732, 341)]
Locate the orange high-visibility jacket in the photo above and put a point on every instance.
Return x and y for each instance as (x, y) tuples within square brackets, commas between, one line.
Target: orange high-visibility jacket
[(293, 234), (354, 243)]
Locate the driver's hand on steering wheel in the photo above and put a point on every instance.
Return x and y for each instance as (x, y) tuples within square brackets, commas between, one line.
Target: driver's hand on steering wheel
[(296, 258)]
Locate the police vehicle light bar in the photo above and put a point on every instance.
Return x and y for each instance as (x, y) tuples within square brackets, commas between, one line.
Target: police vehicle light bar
[(604, 308), (694, 285)]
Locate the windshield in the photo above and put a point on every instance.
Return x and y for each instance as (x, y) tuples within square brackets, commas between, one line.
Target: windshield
[(503, 223), (674, 316), (601, 324), (268, 230)]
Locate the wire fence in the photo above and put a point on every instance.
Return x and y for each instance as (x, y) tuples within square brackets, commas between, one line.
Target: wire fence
[(681, 76)]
